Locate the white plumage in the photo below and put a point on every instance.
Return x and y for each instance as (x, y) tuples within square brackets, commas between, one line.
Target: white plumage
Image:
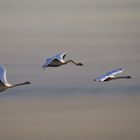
[(3, 80), (112, 75), (58, 60)]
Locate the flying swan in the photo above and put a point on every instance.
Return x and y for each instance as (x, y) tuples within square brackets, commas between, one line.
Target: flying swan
[(3, 80), (58, 60), (111, 76)]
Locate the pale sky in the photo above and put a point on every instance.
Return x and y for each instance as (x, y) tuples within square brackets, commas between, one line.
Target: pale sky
[(103, 35)]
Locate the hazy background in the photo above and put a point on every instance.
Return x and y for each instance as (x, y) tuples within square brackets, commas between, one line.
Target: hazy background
[(65, 103)]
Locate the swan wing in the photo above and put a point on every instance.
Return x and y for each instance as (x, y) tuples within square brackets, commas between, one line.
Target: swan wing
[(60, 57), (3, 74), (109, 74), (114, 72), (48, 61), (55, 59), (102, 78)]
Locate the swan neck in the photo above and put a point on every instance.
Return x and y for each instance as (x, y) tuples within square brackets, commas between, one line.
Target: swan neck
[(20, 84), (70, 61), (122, 77)]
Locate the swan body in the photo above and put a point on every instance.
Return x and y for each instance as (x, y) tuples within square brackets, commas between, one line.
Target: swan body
[(58, 60), (112, 76), (3, 80)]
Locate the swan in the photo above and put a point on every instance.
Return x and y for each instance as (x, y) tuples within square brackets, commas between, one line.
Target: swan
[(58, 60), (111, 76), (3, 80)]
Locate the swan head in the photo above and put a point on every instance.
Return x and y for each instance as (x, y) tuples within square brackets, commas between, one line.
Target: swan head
[(27, 82), (80, 64), (129, 77)]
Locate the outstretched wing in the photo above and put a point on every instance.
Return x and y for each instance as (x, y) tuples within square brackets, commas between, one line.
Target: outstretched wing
[(48, 61), (114, 72), (109, 74), (3, 74), (102, 78), (55, 60), (60, 57)]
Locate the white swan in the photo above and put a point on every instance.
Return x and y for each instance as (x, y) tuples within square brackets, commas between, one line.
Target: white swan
[(58, 60), (111, 76), (3, 80)]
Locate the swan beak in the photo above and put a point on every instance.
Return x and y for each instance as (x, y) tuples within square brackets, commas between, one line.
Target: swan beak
[(129, 77), (80, 64), (28, 82)]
